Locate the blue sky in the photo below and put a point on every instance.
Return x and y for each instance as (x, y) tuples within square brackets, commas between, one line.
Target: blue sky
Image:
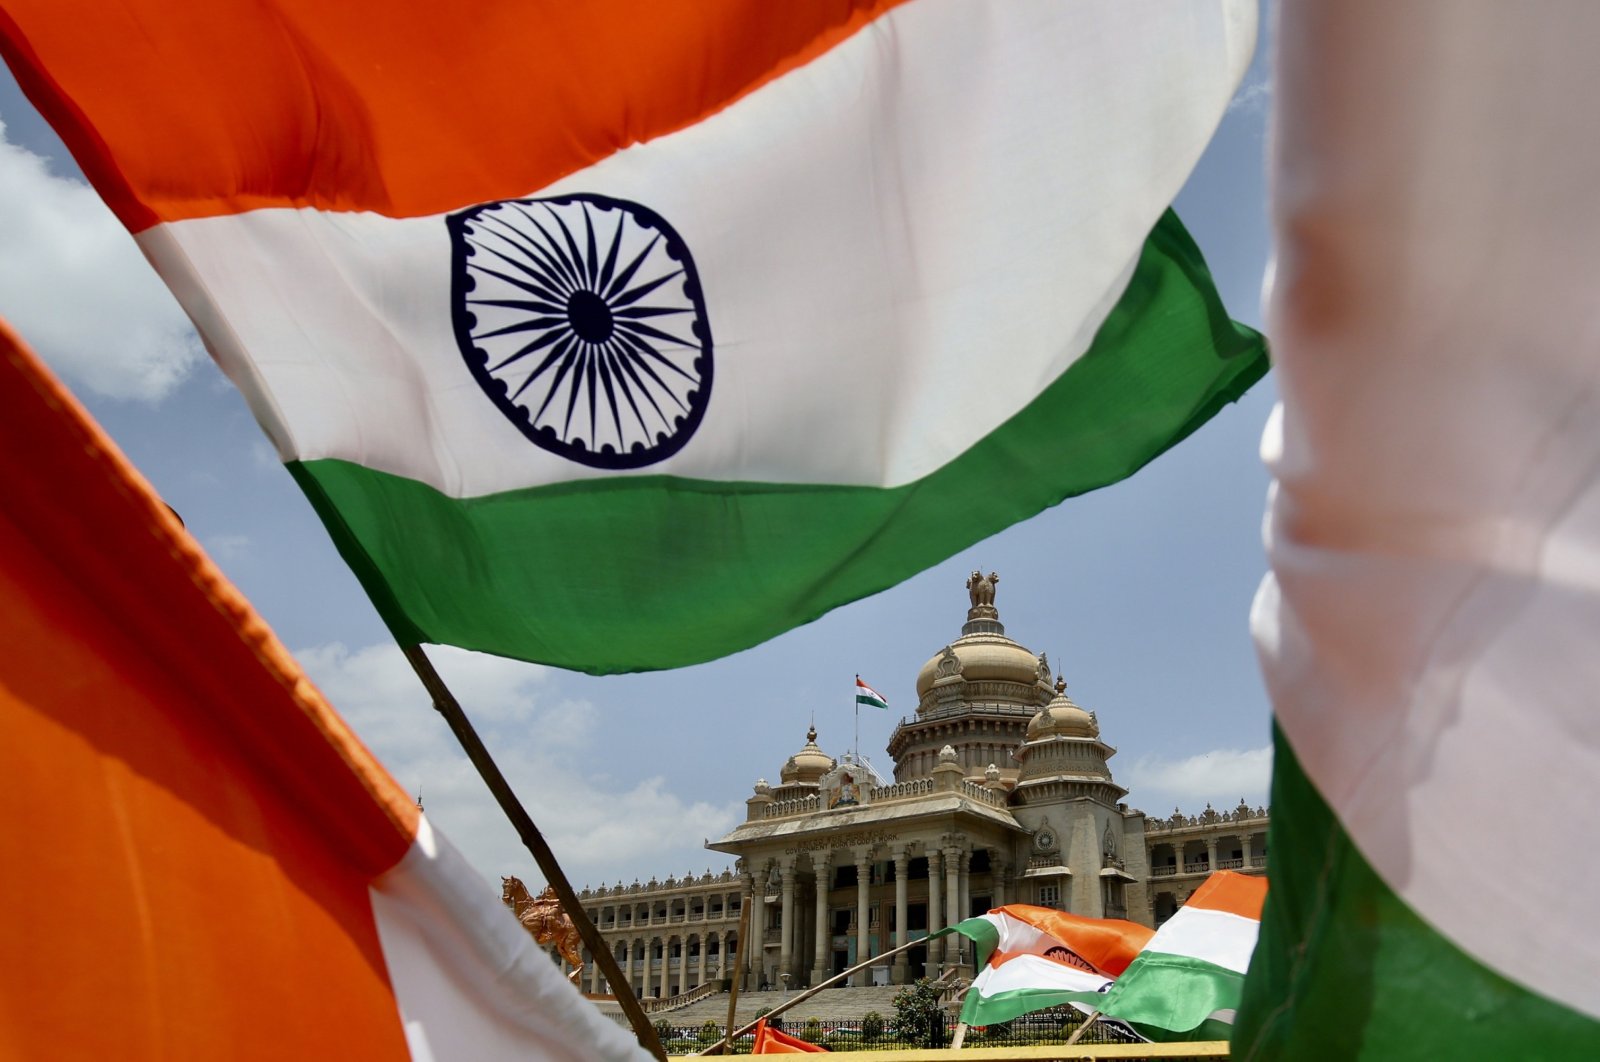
[(1140, 593)]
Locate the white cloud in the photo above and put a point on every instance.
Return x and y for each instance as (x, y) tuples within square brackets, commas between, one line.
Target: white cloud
[(1253, 98), (75, 286), (228, 547), (551, 749), (1219, 777)]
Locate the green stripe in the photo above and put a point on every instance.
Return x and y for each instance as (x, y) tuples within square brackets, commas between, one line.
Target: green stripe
[(871, 702), (1003, 1006), (984, 934), (1346, 969), (644, 572), (1171, 993)]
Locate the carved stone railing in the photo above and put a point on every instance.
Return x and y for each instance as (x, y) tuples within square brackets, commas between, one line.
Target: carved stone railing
[(1258, 860), (1163, 872), (1230, 864), (1197, 868), (682, 999), (688, 881), (976, 792), (782, 809), (916, 787)]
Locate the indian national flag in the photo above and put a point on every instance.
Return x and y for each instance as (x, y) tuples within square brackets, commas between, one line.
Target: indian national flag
[(868, 696), (1428, 630), (629, 333), (1037, 957), (204, 861), (1191, 971)]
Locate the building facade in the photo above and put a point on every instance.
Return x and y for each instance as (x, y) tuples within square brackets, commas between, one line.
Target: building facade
[(1001, 793)]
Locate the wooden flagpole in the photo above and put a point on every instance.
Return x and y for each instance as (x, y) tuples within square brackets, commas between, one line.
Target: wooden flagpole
[(1081, 1029), (733, 983), (447, 705)]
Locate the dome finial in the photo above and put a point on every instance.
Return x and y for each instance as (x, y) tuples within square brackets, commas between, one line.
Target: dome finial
[(1061, 684), (811, 734)]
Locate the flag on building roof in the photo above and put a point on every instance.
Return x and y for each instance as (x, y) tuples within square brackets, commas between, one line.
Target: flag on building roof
[(868, 696), (1188, 977), (203, 861), (1037, 957), (1428, 629), (770, 1041), (625, 335)]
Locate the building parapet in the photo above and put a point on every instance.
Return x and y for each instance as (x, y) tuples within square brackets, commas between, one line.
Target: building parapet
[(688, 881), (1244, 813)]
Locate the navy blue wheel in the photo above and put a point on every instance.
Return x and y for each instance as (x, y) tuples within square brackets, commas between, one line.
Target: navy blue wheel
[(582, 319)]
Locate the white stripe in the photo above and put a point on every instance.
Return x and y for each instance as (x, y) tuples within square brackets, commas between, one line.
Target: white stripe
[(1428, 635), (933, 218), (1218, 937), (468, 980), (1035, 972)]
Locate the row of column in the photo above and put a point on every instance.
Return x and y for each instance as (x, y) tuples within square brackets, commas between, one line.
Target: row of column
[(659, 974), (949, 897)]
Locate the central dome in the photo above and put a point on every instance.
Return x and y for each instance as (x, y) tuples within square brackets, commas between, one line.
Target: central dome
[(983, 653)]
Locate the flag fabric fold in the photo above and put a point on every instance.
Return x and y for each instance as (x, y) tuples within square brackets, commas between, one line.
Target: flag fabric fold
[(1191, 971), (866, 695), (1426, 629), (770, 1041), (215, 866), (1037, 957), (626, 335)]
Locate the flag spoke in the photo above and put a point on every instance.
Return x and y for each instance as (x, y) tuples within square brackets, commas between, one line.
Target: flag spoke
[(631, 268), (552, 336), (628, 298), (538, 262)]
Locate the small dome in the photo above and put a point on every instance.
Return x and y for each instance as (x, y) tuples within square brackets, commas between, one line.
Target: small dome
[(809, 764), (947, 754), (762, 788), (1062, 717)]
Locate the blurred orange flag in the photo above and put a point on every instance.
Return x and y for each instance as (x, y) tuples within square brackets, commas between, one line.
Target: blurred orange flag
[(203, 860), (773, 1042)]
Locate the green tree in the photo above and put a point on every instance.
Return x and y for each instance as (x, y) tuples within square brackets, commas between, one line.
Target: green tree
[(871, 1026), (918, 1015)]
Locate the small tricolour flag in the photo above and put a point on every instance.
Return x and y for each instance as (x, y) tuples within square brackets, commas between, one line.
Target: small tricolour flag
[(1037, 957), (1191, 972), (866, 695), (625, 335)]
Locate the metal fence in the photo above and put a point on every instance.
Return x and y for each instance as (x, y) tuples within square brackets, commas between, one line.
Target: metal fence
[(1043, 1027)]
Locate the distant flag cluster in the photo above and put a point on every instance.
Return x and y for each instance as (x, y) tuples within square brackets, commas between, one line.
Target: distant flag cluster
[(1037, 957), (1188, 978), (869, 697)]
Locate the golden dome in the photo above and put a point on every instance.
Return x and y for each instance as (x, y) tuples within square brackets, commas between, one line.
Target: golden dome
[(980, 658), (809, 764), (1062, 718)]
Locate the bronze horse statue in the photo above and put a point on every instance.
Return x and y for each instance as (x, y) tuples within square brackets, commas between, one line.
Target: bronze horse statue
[(544, 918)]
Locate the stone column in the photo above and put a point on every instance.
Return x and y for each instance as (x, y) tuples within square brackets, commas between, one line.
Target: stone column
[(901, 971), (700, 967), (821, 864), (666, 965), (786, 936), (952, 895), (935, 909), (1001, 872), (863, 936), (755, 947), (964, 908), (1211, 855), (594, 974), (749, 952), (647, 974)]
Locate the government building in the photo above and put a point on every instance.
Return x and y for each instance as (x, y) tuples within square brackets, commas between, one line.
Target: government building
[(1002, 792)]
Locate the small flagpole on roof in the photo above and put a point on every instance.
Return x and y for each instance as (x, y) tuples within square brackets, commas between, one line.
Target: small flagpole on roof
[(856, 699), (446, 704)]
